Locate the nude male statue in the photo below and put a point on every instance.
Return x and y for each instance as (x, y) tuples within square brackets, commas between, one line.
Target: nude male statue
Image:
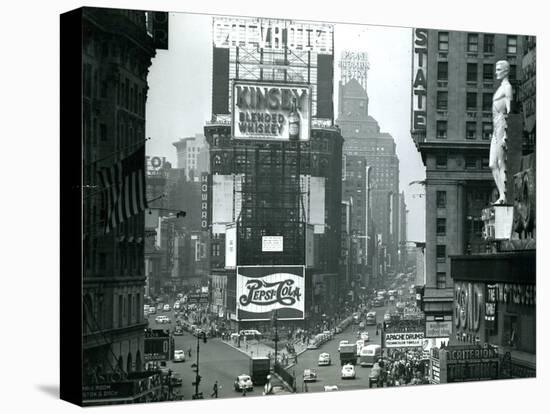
[(501, 108)]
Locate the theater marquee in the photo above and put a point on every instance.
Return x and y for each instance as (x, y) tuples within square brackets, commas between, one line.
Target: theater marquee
[(271, 111)]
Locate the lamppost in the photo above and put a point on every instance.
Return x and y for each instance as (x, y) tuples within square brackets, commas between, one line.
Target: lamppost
[(276, 338), (197, 395)]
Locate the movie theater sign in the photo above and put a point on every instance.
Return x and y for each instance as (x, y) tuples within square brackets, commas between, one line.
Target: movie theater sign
[(403, 339)]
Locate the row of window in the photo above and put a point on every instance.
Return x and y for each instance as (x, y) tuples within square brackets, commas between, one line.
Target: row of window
[(473, 43), (472, 72), (470, 162), (471, 130)]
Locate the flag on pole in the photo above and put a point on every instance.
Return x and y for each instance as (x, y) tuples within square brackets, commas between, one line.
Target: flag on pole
[(124, 186)]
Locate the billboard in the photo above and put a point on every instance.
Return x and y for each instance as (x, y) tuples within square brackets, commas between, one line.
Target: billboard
[(264, 289), (276, 35), (157, 346), (403, 339), (272, 243), (266, 110), (230, 246)]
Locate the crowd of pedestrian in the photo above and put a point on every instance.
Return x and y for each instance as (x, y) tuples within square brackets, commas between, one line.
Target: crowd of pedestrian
[(399, 369)]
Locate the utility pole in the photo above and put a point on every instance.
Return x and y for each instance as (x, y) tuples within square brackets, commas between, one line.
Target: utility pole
[(197, 395)]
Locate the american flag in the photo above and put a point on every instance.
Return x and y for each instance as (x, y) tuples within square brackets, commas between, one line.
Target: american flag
[(124, 188)]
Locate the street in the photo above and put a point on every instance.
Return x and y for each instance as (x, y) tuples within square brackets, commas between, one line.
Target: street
[(331, 375), (217, 362)]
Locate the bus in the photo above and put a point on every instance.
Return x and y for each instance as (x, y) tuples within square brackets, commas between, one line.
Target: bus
[(369, 355)]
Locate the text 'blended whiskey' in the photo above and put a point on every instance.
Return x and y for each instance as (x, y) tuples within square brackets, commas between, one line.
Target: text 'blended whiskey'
[(293, 122)]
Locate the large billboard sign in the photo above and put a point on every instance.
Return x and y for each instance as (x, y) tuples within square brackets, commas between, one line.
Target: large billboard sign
[(403, 339), (419, 79), (269, 34), (271, 111), (264, 289)]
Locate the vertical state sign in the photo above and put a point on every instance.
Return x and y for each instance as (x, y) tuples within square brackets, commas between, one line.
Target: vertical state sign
[(271, 111), (419, 79), (264, 289)]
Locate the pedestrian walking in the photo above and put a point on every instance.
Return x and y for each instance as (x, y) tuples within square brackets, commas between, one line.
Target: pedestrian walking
[(189, 352), (215, 390)]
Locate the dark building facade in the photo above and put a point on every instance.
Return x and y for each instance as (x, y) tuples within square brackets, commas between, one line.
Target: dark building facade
[(117, 49), (270, 186), (451, 125)]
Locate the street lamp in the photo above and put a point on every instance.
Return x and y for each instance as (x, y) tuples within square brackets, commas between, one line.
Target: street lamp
[(197, 395)]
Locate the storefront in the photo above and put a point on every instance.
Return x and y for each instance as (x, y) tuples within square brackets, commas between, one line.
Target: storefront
[(495, 304)]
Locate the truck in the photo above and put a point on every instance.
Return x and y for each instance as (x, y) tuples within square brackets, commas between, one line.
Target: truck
[(259, 370), (348, 354)]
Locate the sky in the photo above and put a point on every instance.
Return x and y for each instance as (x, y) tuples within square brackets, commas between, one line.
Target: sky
[(179, 97)]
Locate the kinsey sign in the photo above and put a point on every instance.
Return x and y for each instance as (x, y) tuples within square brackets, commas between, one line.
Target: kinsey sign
[(419, 77), (271, 111), (263, 289), (272, 34), (403, 339)]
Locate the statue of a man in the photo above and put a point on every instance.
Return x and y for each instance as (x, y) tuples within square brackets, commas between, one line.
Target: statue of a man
[(501, 108)]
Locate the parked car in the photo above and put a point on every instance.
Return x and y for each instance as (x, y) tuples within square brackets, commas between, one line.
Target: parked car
[(348, 371), (310, 375), (179, 355), (152, 310), (324, 359), (166, 308), (243, 381)]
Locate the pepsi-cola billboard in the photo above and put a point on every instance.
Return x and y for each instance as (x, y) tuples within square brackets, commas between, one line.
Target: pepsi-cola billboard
[(264, 289)]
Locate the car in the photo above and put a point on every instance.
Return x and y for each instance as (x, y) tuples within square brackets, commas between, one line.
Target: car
[(365, 336), (324, 359), (152, 310), (310, 375), (387, 317), (160, 306), (176, 379), (179, 355), (178, 331), (360, 344), (177, 306), (242, 382), (331, 388), (362, 325), (378, 302), (166, 308), (329, 334), (197, 332), (342, 342), (159, 319), (348, 371)]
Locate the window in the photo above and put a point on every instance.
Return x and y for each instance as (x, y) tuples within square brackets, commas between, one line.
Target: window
[(473, 40), (441, 226), (441, 282), (471, 130), (442, 100), (471, 162), (441, 199), (471, 72), (441, 129), (471, 101), (512, 74), (441, 253), (487, 130), (487, 72), (487, 102), (103, 132), (442, 70), (443, 41), (511, 45), (441, 161), (489, 43)]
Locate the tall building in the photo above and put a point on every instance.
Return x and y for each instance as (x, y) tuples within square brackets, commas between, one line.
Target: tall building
[(117, 49), (453, 83), (363, 138), (275, 157), (193, 156)]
